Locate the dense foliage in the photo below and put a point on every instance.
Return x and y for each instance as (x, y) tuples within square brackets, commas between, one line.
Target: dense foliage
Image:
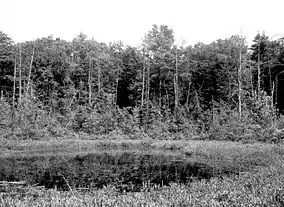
[(221, 90)]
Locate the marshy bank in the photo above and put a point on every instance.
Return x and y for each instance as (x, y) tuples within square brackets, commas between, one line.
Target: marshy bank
[(142, 173), (128, 164), (126, 170)]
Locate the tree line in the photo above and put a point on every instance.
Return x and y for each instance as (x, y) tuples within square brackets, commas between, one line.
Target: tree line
[(225, 89)]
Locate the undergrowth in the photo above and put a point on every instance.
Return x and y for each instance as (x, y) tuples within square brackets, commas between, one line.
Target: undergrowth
[(32, 120)]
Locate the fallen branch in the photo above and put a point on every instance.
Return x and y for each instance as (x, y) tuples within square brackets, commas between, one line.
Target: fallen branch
[(5, 183), (68, 185)]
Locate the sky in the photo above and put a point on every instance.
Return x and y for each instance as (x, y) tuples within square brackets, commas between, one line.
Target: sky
[(129, 20)]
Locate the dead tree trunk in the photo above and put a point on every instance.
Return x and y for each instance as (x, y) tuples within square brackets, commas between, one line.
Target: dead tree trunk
[(176, 84), (240, 82), (14, 83), (30, 71), (143, 81), (251, 81), (90, 81), (14, 94), (160, 93), (148, 83), (20, 75), (148, 92), (188, 92), (258, 74), (213, 111), (116, 90), (270, 77), (99, 78)]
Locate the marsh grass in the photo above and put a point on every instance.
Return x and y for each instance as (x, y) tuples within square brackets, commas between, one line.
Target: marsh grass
[(220, 154), (258, 179), (263, 188), (22, 147)]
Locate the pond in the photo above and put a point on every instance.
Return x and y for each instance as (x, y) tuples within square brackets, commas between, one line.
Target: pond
[(127, 171)]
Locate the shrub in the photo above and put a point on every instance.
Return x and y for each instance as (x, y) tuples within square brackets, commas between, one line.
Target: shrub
[(5, 116)]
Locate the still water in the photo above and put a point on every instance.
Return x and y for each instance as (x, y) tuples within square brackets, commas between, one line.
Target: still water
[(128, 171)]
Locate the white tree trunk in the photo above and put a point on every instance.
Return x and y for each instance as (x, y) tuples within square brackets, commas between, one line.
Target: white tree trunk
[(30, 71)]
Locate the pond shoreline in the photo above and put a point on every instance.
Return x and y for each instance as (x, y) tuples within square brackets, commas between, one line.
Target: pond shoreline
[(244, 163)]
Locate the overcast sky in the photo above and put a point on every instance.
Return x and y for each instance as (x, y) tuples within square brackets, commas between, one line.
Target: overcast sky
[(129, 20)]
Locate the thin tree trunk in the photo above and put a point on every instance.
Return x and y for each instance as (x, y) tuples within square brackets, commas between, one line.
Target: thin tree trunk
[(90, 81), (14, 94), (168, 99), (276, 91), (258, 74), (20, 76), (99, 78), (240, 83), (148, 83), (272, 104), (251, 82), (14, 83), (213, 112), (176, 84), (197, 103), (270, 78), (116, 87), (188, 92), (143, 82), (189, 83), (177, 88), (272, 94), (30, 71), (160, 93), (148, 92)]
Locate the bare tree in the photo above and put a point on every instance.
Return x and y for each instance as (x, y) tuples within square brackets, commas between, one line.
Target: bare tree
[(240, 80), (188, 90), (251, 81), (258, 76), (148, 66), (20, 75), (148, 82), (99, 77), (176, 82), (14, 94), (143, 81), (116, 87), (30, 71), (14, 83), (90, 81)]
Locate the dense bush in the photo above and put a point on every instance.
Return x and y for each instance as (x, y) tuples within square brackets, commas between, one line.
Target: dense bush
[(32, 120)]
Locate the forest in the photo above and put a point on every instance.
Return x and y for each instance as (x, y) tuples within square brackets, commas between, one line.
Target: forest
[(84, 123), (224, 90)]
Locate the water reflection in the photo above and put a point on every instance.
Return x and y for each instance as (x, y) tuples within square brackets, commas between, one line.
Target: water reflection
[(125, 170)]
